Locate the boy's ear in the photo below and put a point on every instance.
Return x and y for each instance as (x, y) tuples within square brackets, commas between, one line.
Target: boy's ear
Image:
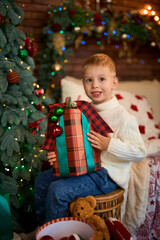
[(115, 82)]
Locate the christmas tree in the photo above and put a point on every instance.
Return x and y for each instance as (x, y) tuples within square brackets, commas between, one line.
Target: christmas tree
[(22, 113)]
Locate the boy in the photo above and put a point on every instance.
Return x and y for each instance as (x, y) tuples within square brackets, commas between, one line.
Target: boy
[(118, 150)]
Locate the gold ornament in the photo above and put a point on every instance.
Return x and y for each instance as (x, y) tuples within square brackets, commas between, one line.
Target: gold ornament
[(100, 29), (59, 42)]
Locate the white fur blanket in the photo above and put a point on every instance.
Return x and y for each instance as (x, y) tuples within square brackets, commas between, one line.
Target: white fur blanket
[(136, 197)]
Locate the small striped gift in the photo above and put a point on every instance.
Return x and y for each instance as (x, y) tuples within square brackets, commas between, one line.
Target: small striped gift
[(75, 156)]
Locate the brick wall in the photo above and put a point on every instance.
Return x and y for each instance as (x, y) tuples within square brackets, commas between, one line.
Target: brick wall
[(144, 63)]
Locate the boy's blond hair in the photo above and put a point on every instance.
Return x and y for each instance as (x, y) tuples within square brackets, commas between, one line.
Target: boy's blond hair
[(100, 59)]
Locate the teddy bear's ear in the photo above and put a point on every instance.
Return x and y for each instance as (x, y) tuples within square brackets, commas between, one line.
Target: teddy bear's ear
[(91, 200)]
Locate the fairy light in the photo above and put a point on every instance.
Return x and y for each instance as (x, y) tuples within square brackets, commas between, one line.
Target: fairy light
[(153, 13), (156, 18), (145, 12), (149, 7)]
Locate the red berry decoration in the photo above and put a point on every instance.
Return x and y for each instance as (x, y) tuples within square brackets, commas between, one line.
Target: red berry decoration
[(13, 77), (46, 237), (56, 130)]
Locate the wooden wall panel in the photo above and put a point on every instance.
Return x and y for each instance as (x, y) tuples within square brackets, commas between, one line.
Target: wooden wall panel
[(35, 18)]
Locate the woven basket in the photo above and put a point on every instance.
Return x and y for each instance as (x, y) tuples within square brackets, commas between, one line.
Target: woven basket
[(109, 205)]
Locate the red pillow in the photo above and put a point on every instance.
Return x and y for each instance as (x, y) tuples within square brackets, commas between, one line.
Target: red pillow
[(117, 230)]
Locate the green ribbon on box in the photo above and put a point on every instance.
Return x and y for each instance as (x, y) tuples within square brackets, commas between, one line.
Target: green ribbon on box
[(6, 230), (62, 154)]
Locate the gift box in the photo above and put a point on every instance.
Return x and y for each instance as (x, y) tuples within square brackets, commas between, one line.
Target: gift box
[(65, 227), (67, 136)]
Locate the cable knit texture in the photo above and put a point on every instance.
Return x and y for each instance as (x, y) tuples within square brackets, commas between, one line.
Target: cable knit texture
[(126, 145)]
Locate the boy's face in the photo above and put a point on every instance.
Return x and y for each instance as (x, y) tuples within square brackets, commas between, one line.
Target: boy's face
[(99, 83)]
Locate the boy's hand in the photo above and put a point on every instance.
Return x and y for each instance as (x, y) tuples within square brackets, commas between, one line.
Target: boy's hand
[(98, 141), (51, 157)]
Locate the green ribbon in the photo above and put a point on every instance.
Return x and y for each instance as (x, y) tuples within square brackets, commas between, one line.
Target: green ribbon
[(87, 145), (62, 148), (62, 151)]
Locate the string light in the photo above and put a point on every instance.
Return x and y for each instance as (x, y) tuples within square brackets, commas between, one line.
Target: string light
[(156, 18), (153, 13), (149, 7)]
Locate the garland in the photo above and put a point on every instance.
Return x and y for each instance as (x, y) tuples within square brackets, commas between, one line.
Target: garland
[(68, 25)]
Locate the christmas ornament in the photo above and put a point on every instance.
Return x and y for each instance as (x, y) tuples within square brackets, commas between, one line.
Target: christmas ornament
[(46, 237), (39, 92), (56, 27), (72, 12), (40, 107), (59, 42), (56, 130), (100, 29), (23, 53), (53, 118), (58, 111), (1, 19), (13, 77), (97, 19)]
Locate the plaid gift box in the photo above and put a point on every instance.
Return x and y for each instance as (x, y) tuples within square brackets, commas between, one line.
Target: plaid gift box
[(74, 154)]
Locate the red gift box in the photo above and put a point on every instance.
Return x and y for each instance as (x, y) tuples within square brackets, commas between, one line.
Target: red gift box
[(76, 151), (75, 156)]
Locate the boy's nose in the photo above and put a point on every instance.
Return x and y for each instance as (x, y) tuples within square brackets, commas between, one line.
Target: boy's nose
[(94, 84)]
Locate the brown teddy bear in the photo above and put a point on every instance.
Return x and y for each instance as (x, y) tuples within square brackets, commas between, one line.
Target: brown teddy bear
[(84, 208)]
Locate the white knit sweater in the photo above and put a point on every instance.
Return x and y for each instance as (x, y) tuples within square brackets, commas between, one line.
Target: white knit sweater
[(126, 144)]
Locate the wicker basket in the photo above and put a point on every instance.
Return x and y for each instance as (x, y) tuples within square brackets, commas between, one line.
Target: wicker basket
[(109, 205)]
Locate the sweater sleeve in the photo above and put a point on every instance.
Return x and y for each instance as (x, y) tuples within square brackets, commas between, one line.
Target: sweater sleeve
[(128, 144)]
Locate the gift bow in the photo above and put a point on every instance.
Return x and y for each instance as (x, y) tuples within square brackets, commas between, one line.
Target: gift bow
[(88, 110)]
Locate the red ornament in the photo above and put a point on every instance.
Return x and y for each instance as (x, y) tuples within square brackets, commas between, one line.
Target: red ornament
[(46, 237), (56, 27), (1, 19), (56, 130), (39, 92), (72, 12), (13, 77), (97, 19), (33, 132), (40, 107)]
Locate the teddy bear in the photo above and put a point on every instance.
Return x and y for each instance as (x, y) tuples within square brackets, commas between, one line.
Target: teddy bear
[(83, 208)]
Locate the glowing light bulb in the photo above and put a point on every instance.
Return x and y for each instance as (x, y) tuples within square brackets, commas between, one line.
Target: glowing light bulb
[(145, 12), (149, 7), (156, 18), (153, 13)]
